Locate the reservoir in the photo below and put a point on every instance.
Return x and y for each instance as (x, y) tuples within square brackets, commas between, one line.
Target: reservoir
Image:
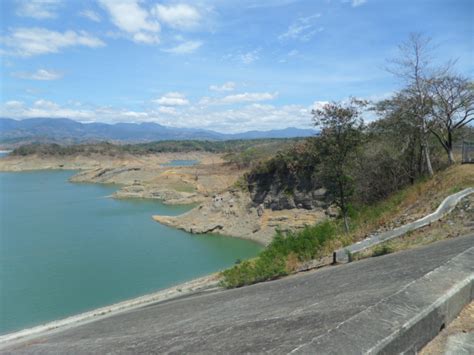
[(67, 248)]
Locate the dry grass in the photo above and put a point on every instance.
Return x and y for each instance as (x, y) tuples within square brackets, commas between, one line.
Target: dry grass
[(457, 223), (411, 203)]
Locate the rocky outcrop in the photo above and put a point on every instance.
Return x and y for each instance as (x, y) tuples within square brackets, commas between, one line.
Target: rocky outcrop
[(279, 191), (167, 196), (233, 213), (228, 213)]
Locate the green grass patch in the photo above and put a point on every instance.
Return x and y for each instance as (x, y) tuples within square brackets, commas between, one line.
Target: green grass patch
[(382, 249), (278, 258), (455, 189)]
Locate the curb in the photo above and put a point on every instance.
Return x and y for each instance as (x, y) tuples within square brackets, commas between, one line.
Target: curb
[(407, 320), (344, 255)]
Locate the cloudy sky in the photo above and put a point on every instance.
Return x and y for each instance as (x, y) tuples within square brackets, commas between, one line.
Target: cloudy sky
[(226, 65)]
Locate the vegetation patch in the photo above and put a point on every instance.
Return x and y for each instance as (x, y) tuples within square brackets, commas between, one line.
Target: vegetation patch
[(282, 256)]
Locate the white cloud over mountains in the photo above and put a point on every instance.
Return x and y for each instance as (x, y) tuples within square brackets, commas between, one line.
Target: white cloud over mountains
[(27, 42), (252, 116)]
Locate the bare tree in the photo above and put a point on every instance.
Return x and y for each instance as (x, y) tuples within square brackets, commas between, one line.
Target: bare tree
[(452, 108), (413, 66)]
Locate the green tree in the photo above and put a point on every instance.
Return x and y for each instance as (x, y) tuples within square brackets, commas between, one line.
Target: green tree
[(341, 136)]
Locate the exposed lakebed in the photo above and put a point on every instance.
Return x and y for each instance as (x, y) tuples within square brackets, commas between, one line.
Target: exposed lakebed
[(67, 248)]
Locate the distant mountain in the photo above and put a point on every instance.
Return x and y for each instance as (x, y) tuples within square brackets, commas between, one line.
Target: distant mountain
[(70, 131)]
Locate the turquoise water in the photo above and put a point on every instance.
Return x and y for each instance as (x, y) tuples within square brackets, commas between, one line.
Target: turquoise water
[(181, 163), (65, 248)]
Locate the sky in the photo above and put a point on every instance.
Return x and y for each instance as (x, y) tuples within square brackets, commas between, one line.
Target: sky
[(224, 65)]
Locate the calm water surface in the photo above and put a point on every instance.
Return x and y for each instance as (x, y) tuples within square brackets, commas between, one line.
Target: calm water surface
[(65, 248)]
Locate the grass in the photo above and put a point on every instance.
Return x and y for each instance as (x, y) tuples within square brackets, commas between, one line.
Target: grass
[(282, 256), (382, 249), (287, 251)]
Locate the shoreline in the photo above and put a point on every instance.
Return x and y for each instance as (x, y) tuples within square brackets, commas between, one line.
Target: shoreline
[(204, 283)]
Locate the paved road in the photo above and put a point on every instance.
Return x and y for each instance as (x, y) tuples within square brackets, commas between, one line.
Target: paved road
[(278, 317)]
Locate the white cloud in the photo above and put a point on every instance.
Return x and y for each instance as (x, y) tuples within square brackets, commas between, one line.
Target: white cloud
[(303, 29), (38, 9), (228, 86), (356, 3), (43, 108), (168, 110), (250, 57), (146, 38), (185, 47), (248, 97), (179, 16), (14, 104), (91, 15), (34, 41), (249, 117), (40, 74), (133, 20), (319, 105), (173, 99), (238, 98)]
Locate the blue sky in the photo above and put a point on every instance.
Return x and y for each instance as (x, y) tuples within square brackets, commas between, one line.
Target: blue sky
[(228, 65)]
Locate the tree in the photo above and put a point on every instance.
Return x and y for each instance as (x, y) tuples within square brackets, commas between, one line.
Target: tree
[(452, 108), (341, 136), (401, 132), (413, 66)]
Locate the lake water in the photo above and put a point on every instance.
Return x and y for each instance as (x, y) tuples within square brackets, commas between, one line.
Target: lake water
[(65, 248)]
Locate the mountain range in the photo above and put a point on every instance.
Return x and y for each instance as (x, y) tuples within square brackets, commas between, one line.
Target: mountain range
[(67, 130)]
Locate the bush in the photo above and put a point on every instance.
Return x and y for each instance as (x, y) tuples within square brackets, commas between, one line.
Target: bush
[(382, 249), (279, 258)]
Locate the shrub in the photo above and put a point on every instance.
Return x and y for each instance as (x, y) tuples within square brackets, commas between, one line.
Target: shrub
[(281, 256), (382, 249)]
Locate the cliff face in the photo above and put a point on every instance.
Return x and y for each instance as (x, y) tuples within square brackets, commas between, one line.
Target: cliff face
[(281, 189)]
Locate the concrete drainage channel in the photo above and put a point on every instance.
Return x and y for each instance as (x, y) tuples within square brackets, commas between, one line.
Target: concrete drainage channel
[(346, 254)]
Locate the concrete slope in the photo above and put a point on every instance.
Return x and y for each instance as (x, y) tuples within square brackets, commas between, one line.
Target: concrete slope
[(369, 306)]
